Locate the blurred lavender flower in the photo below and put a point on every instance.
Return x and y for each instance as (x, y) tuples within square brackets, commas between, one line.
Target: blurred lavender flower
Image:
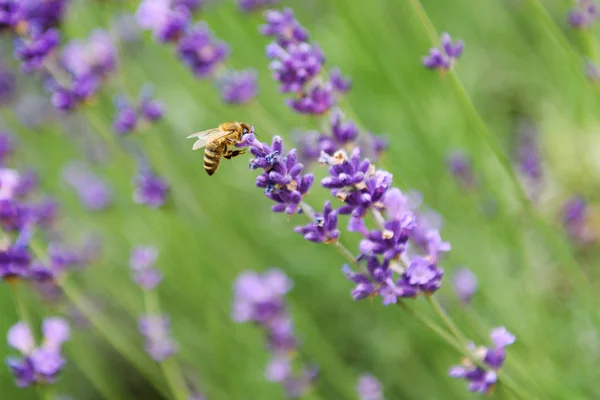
[(238, 87), (200, 51), (529, 158), (282, 178), (253, 5), (465, 284), (95, 56), (92, 191), (260, 298), (483, 380), (283, 26), (7, 85), (126, 119), (584, 14), (128, 116), (42, 14), (460, 166), (190, 5), (10, 180), (40, 364), (369, 388), (444, 58), (150, 189), (575, 219), (167, 23), (294, 65), (341, 84), (33, 51), (79, 90), (27, 183), (316, 99), (149, 108), (141, 263), (156, 331)]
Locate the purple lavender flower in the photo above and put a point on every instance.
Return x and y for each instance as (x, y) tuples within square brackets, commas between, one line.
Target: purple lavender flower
[(67, 98), (156, 331), (94, 56), (11, 13), (42, 15), (584, 14), (141, 263), (150, 190), (9, 183), (7, 84), (465, 284), (282, 26), (340, 84), (150, 109), (324, 227), (253, 5), (260, 298), (40, 364), (282, 178), (238, 87), (575, 215), (317, 99), (369, 388), (484, 380), (92, 191), (294, 65), (200, 51), (167, 23), (15, 263), (529, 159), (126, 119), (33, 51), (445, 57), (460, 166)]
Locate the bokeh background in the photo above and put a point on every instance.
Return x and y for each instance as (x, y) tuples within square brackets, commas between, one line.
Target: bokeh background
[(521, 62)]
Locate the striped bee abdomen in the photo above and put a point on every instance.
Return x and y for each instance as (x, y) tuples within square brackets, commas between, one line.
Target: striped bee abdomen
[(212, 157)]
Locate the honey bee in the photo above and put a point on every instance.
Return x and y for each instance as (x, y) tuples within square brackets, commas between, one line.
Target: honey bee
[(217, 142)]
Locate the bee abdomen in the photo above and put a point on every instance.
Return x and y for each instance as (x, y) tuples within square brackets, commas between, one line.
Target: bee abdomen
[(212, 158)]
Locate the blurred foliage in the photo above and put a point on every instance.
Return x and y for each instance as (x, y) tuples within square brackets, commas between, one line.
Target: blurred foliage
[(518, 61)]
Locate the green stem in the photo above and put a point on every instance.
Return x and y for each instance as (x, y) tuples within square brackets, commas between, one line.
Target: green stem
[(169, 367), (437, 308), (17, 288)]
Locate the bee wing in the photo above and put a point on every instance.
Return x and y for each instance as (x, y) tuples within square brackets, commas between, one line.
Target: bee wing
[(207, 136)]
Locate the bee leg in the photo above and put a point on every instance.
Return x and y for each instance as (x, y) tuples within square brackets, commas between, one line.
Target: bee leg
[(233, 153)]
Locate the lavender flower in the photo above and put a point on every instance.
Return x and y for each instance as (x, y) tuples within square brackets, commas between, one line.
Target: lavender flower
[(238, 87), (260, 298), (40, 364), (483, 380), (68, 97), (294, 65), (317, 99), (341, 84), (33, 51), (575, 215), (10, 180), (126, 119), (283, 26), (460, 166), (200, 51), (369, 388), (282, 178), (92, 191), (529, 158), (465, 284), (149, 109), (323, 229), (150, 190), (253, 5), (41, 15), (141, 263), (167, 23), (445, 57), (584, 14), (94, 56), (156, 331)]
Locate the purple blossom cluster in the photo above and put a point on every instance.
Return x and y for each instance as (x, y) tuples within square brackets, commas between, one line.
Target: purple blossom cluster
[(150, 189), (444, 58), (298, 65), (156, 331), (575, 219), (282, 178), (260, 299), (37, 364), (82, 68), (196, 46), (461, 168), (141, 262), (464, 282), (584, 14), (369, 388), (93, 192), (20, 15), (482, 377), (128, 118), (16, 263)]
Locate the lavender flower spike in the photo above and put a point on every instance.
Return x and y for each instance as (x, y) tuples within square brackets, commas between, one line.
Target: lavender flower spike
[(324, 227), (238, 87), (445, 57), (155, 329), (41, 364), (150, 190), (200, 51), (483, 380), (584, 14), (141, 262), (369, 388), (465, 284)]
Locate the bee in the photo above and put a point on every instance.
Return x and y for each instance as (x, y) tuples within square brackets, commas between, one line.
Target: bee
[(217, 142)]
